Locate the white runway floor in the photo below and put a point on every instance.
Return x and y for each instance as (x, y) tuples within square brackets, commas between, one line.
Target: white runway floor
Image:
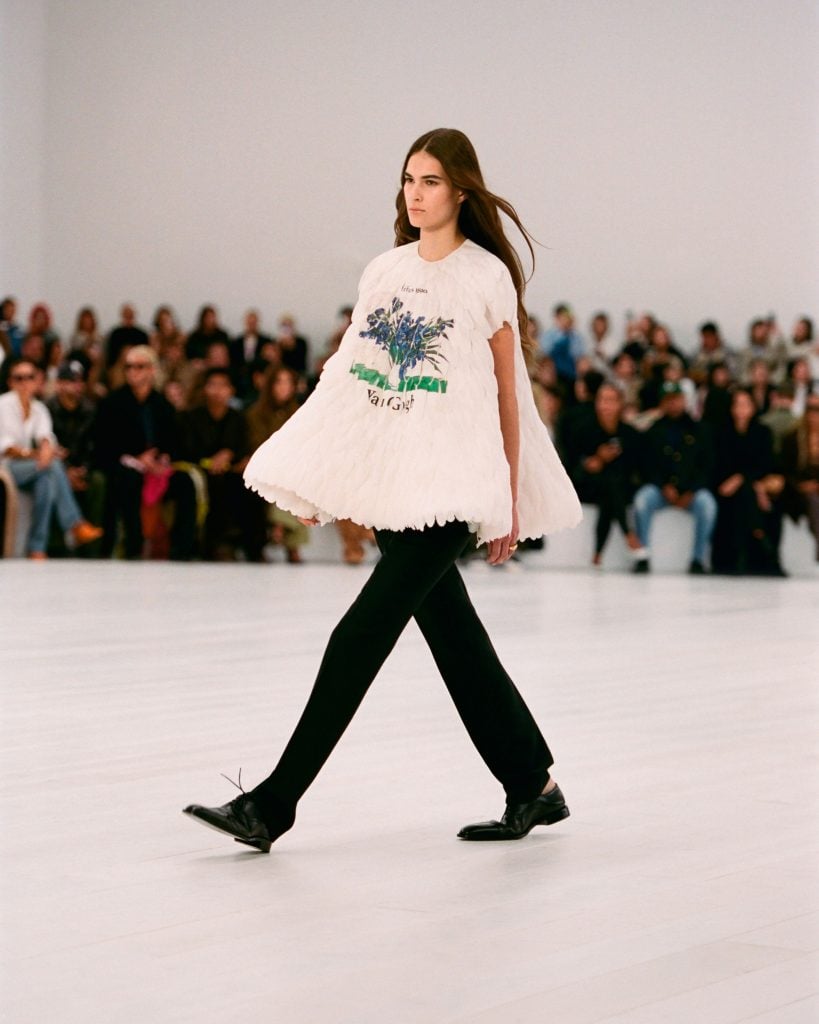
[(684, 888)]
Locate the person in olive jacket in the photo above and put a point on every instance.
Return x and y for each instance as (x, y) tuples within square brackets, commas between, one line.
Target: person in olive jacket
[(676, 471)]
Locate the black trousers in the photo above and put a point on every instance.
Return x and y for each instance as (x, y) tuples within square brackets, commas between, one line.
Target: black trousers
[(416, 576), (746, 539), (124, 501), (612, 495)]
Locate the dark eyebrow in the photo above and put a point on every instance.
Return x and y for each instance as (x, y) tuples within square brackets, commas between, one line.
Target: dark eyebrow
[(425, 177)]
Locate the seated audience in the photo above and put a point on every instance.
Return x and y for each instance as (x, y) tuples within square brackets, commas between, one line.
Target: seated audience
[(166, 333), (712, 351), (759, 384), (602, 457), (800, 465), (715, 397), (11, 333), (143, 483), (292, 345), (660, 352), (40, 323), (215, 438), (275, 405), (800, 380), (604, 347), (779, 418), (245, 350), (624, 375), (207, 330), (801, 341), (87, 347), (677, 470), (136, 438), (749, 517), (766, 346), (564, 346), (217, 357), (72, 415), (125, 335), (638, 336), (29, 449)]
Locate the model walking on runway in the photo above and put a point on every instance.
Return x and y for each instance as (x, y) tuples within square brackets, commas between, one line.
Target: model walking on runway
[(423, 427)]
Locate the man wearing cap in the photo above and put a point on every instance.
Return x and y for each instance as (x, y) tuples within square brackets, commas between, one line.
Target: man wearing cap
[(72, 416), (676, 471)]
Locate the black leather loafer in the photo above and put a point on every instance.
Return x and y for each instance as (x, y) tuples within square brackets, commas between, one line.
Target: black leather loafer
[(519, 819), (240, 818)]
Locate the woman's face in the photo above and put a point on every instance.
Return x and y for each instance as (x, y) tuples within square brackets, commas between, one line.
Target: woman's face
[(721, 378), (432, 202), (283, 388), (624, 367), (800, 372), (608, 402), (87, 323), (742, 408)]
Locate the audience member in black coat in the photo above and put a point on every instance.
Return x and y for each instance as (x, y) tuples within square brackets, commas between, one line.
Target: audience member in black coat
[(602, 456), (293, 346), (676, 471), (716, 399), (206, 331), (73, 417), (245, 350), (125, 335), (216, 439), (749, 521), (135, 440)]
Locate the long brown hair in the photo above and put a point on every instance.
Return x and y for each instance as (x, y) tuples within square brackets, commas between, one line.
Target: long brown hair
[(479, 216)]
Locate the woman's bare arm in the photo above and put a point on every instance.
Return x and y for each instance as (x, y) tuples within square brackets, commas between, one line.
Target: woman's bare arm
[(503, 352)]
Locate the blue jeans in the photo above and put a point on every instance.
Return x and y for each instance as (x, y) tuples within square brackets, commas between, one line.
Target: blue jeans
[(649, 499), (51, 492)]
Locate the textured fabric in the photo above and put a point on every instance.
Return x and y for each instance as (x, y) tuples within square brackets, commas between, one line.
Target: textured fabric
[(403, 429)]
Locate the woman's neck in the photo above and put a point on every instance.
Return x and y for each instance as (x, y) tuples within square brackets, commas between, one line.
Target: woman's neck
[(437, 245)]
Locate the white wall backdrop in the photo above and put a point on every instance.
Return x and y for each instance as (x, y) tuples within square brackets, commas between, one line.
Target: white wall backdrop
[(247, 152)]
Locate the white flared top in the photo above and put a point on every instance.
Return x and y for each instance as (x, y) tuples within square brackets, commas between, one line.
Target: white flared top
[(403, 428)]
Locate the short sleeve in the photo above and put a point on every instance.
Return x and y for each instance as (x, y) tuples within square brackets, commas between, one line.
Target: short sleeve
[(501, 303)]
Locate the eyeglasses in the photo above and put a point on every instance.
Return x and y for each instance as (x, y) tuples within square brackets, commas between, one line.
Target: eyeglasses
[(23, 376), (139, 366)]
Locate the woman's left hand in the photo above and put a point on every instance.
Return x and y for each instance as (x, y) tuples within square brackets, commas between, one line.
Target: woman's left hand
[(501, 549)]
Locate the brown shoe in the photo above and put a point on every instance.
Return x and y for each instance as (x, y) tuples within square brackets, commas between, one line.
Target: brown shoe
[(38, 556), (84, 533)]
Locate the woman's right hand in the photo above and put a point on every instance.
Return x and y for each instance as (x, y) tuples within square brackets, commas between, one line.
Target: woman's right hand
[(501, 549)]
